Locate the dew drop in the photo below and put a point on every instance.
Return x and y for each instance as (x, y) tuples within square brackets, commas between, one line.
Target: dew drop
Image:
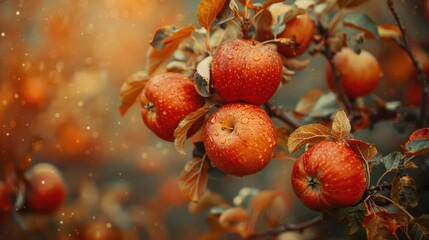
[(256, 58), (181, 98), (230, 56), (245, 120), (261, 123), (223, 141), (164, 113), (269, 139), (213, 120), (243, 112)]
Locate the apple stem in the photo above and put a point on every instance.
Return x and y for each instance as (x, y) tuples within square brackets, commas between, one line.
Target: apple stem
[(287, 227), (275, 111), (422, 78)]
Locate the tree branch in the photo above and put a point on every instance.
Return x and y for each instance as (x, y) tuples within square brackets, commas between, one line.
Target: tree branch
[(287, 227), (275, 111), (421, 76)]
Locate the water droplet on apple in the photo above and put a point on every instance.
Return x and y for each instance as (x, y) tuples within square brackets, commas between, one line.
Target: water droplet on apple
[(213, 120), (230, 56), (223, 141), (164, 113), (245, 120), (269, 139), (261, 123), (256, 58), (181, 98), (243, 112)]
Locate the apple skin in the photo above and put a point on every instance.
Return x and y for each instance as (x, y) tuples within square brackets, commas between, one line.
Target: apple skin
[(239, 138), (329, 175), (360, 74), (245, 70), (166, 99), (47, 190)]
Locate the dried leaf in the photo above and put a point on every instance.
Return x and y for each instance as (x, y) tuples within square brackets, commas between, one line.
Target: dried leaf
[(228, 12), (363, 149), (207, 201), (341, 127), (364, 23), (160, 35), (417, 147), (131, 89), (353, 217), (295, 64), (383, 225), (389, 32), (392, 160), (263, 199), (311, 133), (155, 57), (293, 13), (282, 134), (181, 132), (350, 3), (235, 220), (419, 228), (180, 34), (308, 100), (404, 191), (268, 3), (202, 77), (207, 12), (287, 75), (193, 179)]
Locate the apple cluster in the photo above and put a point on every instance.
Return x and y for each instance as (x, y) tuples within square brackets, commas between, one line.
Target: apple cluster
[(239, 137)]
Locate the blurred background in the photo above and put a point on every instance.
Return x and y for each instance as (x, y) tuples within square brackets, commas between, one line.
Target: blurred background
[(61, 67)]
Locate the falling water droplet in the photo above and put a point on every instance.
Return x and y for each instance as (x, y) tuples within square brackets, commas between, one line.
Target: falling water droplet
[(245, 120)]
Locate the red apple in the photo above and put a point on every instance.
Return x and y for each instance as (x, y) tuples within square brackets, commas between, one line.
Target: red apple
[(166, 100), (239, 138), (360, 73), (329, 175), (245, 70), (46, 191)]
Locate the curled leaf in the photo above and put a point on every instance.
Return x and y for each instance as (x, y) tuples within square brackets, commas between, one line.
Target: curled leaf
[(417, 147), (202, 77), (235, 220), (308, 100), (181, 132), (131, 89), (180, 34), (389, 32), (341, 127), (363, 149), (268, 3), (193, 179), (207, 11), (307, 134), (404, 191), (364, 23)]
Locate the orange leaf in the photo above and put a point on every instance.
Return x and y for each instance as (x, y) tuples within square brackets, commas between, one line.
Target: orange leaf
[(341, 127), (364, 150), (207, 11), (308, 100), (389, 31), (180, 34), (155, 57), (235, 220), (383, 225), (311, 133), (131, 89), (193, 179), (207, 201)]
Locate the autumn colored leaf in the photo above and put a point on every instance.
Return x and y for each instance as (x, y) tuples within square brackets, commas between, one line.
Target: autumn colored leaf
[(181, 132), (404, 191), (389, 32), (207, 12), (267, 201), (363, 149), (392, 160), (227, 12), (353, 217), (417, 147), (384, 225), (202, 77), (156, 58), (364, 23), (180, 34), (193, 179), (282, 134), (419, 228), (207, 201), (350, 3), (268, 3), (293, 13), (295, 64), (308, 101), (341, 127), (307, 134), (246, 3), (235, 220), (131, 90), (160, 35)]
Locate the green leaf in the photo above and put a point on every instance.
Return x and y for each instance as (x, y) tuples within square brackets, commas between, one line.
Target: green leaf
[(202, 77), (392, 160), (353, 217), (419, 228), (404, 191), (363, 23), (350, 3), (417, 147)]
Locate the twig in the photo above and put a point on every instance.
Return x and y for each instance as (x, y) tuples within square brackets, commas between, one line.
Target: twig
[(380, 187), (329, 55), (422, 78), (275, 111), (287, 227)]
